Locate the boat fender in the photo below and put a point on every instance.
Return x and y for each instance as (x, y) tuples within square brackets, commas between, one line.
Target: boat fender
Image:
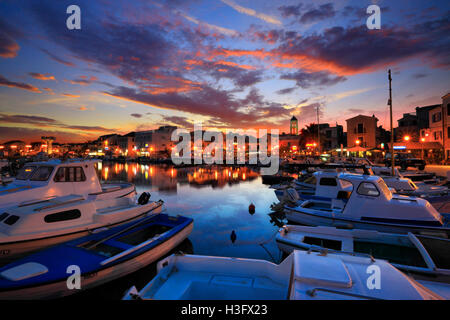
[(144, 197), (233, 236)]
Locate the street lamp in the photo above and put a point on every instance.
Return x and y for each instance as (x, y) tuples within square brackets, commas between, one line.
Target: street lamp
[(406, 138), (422, 140), (357, 142)]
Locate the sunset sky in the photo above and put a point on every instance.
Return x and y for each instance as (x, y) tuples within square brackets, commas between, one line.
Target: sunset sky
[(136, 65)]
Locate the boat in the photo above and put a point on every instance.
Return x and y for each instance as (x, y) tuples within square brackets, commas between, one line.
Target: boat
[(55, 178), (275, 178), (99, 257), (399, 184), (422, 257), (38, 224), (370, 205), (302, 275)]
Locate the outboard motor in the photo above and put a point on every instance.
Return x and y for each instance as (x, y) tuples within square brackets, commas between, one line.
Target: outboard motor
[(143, 198), (290, 196)]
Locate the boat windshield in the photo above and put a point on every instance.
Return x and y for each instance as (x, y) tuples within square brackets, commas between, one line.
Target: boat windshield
[(25, 172), (42, 173), (384, 188)]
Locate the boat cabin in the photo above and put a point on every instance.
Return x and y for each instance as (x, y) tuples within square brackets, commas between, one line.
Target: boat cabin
[(43, 180)]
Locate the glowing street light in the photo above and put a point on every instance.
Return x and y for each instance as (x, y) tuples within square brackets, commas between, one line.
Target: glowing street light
[(406, 138), (357, 142)]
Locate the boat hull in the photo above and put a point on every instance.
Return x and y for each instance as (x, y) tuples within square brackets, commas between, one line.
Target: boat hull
[(311, 219), (14, 250), (59, 289)]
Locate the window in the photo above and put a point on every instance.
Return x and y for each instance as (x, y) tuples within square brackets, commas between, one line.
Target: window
[(11, 220), (360, 128), (448, 109), (70, 174), (437, 117), (448, 132), (63, 216), (3, 216), (328, 182), (42, 174), (25, 172), (368, 189)]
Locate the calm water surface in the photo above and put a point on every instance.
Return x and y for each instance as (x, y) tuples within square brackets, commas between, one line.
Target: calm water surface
[(217, 198)]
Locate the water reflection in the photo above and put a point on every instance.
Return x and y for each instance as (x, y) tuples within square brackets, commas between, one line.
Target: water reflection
[(167, 178)]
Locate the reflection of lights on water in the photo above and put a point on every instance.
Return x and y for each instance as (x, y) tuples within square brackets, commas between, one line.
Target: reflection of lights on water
[(146, 175), (216, 175), (105, 173), (151, 171), (99, 166), (243, 176)]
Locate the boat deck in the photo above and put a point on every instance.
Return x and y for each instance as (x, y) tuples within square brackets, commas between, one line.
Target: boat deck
[(219, 286)]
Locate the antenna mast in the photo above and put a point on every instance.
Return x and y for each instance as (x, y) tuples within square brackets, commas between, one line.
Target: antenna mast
[(392, 126)]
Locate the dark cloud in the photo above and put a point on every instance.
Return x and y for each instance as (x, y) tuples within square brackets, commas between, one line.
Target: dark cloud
[(306, 80), (178, 121), (20, 85), (136, 115), (48, 122), (322, 12), (58, 59), (356, 49), (287, 11), (8, 45), (4, 118), (286, 90), (419, 75)]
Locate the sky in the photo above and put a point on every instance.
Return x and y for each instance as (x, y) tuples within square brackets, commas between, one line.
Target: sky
[(232, 64)]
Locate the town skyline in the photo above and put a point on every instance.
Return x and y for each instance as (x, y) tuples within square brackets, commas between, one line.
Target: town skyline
[(230, 64)]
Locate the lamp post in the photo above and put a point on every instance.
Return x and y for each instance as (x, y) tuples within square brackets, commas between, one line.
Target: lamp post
[(422, 140)]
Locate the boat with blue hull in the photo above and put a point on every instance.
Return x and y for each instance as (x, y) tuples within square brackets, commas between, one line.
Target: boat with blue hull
[(103, 256)]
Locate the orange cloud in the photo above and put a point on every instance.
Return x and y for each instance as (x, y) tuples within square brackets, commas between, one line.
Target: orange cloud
[(40, 76)]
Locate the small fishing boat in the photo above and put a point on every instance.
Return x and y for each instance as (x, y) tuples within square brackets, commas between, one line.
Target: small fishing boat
[(301, 276), (370, 205), (100, 257), (39, 224), (55, 178), (423, 257)]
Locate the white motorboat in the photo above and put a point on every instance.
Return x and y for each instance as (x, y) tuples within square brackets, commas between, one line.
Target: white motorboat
[(422, 257), (35, 225), (56, 178), (406, 186), (101, 257), (301, 276), (370, 205)]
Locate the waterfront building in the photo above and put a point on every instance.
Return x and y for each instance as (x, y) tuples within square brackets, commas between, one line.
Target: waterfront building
[(362, 132)]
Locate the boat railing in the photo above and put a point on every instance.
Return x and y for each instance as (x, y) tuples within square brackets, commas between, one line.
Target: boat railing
[(133, 249), (58, 204), (313, 292), (430, 263), (325, 251), (36, 201)]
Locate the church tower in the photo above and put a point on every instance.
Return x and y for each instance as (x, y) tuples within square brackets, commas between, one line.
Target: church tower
[(294, 126)]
